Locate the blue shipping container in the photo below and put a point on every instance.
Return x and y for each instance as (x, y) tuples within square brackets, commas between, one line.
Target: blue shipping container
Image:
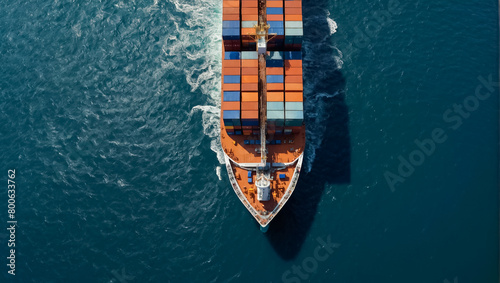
[(275, 79), (275, 63), (231, 24), (231, 95), (231, 115), (274, 11), (232, 55), (276, 24), (249, 122), (232, 79), (293, 55)]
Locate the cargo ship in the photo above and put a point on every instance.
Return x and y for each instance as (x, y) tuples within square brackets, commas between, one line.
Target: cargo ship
[(262, 130)]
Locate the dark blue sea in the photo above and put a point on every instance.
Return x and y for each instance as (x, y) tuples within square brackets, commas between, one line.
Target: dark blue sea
[(109, 115)]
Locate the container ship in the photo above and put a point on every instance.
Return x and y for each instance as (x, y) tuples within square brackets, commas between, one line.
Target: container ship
[(262, 128)]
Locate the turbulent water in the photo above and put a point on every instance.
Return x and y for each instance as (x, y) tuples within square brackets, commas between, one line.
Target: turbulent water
[(110, 118)]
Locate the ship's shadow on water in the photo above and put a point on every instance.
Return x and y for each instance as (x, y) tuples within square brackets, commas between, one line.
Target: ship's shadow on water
[(332, 161)]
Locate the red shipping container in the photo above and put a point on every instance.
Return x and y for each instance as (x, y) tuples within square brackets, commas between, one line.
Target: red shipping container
[(230, 4), (229, 17), (249, 71), (274, 4), (231, 87), (251, 11), (274, 71), (249, 17), (293, 4), (231, 11), (250, 87), (293, 11), (231, 71), (249, 115), (249, 105), (278, 18), (231, 63)]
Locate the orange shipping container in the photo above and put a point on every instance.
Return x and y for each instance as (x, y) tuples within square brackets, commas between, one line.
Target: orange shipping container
[(226, 17), (294, 18), (231, 87), (249, 79), (292, 79), (250, 63), (293, 4), (231, 63), (274, 17), (231, 71), (249, 96), (250, 87), (275, 86), (249, 4), (274, 4), (249, 105), (249, 115), (293, 71), (250, 11), (247, 31), (294, 96), (293, 11), (230, 105), (231, 11), (231, 4), (274, 71), (294, 87), (275, 96), (250, 18), (249, 71), (293, 63)]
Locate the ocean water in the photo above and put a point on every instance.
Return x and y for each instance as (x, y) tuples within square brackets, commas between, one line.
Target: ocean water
[(109, 115)]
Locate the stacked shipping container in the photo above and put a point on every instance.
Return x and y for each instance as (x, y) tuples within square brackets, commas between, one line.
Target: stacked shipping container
[(231, 108), (294, 109), (275, 19), (250, 95), (231, 25), (249, 19), (240, 103), (293, 25)]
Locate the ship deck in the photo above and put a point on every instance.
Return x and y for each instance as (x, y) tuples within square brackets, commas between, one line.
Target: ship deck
[(281, 157)]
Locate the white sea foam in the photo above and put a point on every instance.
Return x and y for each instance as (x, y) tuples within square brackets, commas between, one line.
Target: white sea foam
[(198, 38), (315, 106), (332, 25)]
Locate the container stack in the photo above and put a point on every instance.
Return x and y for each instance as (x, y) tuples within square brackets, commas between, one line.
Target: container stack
[(231, 109), (250, 95), (249, 19), (275, 113), (275, 82), (275, 92), (293, 25), (275, 20), (231, 25), (294, 101), (250, 112)]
